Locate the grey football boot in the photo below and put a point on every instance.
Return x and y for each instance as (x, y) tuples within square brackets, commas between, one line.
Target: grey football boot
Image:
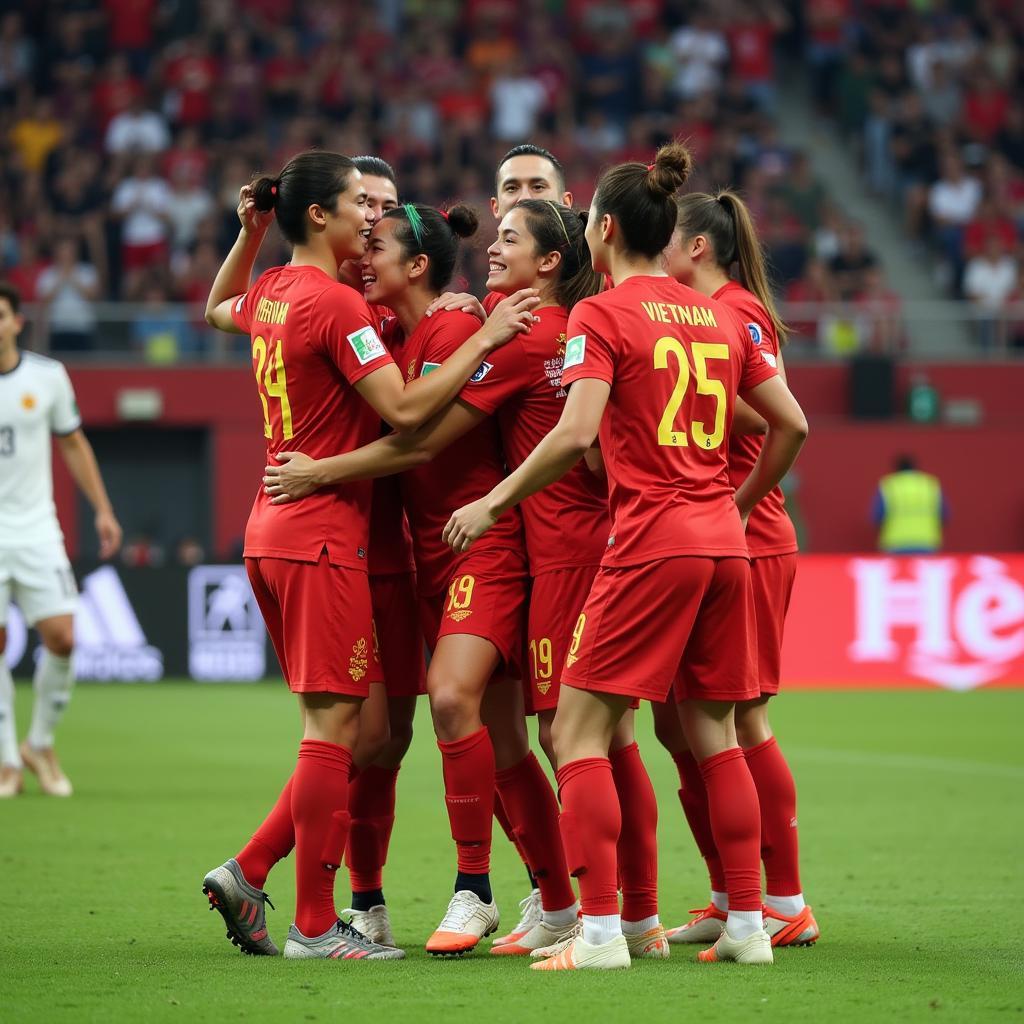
[(242, 907), (342, 942)]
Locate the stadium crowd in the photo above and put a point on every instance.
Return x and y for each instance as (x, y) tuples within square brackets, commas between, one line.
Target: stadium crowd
[(933, 94), (130, 126)]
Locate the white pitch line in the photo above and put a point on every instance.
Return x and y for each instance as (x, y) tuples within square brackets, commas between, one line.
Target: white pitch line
[(908, 761)]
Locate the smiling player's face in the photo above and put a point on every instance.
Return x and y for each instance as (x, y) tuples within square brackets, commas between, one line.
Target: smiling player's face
[(348, 224), (384, 267), (512, 261), (381, 195)]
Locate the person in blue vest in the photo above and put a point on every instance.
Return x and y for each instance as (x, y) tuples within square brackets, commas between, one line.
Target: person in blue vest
[(909, 510)]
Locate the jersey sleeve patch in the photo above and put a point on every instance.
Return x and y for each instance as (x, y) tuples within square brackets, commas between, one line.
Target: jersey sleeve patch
[(366, 345), (575, 351), (755, 333), (770, 360), (429, 368), (240, 302), (481, 371)]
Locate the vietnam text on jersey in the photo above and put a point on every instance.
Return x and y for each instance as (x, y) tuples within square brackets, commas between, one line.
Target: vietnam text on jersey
[(312, 340), (769, 529), (675, 360), (567, 522), (464, 471)]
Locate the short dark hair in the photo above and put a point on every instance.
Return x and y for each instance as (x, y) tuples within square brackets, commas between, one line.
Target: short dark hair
[(376, 166), (311, 177), (11, 294), (529, 149)]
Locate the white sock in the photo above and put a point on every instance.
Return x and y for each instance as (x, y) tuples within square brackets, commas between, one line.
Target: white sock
[(53, 681), (560, 918), (601, 929), (788, 905), (720, 900), (639, 927), (744, 923), (8, 729)]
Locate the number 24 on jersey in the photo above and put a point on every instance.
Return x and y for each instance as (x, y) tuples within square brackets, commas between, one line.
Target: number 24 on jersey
[(272, 383)]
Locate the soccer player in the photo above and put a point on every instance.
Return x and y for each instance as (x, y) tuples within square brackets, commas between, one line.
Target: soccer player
[(471, 606), (714, 232), (324, 382), (37, 401), (655, 368), (386, 719)]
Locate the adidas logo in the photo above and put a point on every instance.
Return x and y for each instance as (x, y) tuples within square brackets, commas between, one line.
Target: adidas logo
[(109, 642)]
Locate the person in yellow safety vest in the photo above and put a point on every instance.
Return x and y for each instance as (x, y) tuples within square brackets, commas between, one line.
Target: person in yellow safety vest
[(909, 511)]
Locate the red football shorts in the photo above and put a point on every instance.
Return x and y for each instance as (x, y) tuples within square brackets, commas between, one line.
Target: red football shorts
[(772, 579), (684, 621), (486, 597), (320, 620), (556, 600), (396, 619)]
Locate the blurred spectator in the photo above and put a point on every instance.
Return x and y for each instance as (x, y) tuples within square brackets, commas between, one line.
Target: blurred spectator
[(701, 51), (137, 129), (851, 263), (909, 510), (191, 203), (804, 194), (990, 278), (17, 56), (815, 287), (143, 202), (142, 552), (67, 288), (159, 330), (25, 274), (879, 309), (36, 133), (952, 203), (517, 98), (189, 552), (989, 220)]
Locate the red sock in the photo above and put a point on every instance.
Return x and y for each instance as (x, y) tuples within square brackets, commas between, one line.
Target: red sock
[(468, 766), (320, 813), (736, 824), (590, 823), (531, 806), (637, 850), (271, 842), (506, 826), (776, 793), (694, 798), (371, 804)]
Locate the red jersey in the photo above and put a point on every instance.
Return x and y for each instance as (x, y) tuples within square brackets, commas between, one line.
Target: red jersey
[(390, 539), (769, 529), (567, 523), (675, 361), (463, 472), (312, 340)]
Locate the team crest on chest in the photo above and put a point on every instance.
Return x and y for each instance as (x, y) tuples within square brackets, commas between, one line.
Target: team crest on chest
[(560, 348), (28, 402)]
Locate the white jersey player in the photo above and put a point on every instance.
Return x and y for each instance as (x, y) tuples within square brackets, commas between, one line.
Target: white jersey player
[(37, 401)]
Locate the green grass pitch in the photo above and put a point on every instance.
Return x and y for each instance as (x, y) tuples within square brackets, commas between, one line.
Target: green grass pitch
[(910, 821)]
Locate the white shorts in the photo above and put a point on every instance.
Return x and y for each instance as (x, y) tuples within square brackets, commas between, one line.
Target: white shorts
[(39, 580)]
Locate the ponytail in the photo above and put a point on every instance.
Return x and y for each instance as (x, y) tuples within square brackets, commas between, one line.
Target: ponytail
[(724, 219)]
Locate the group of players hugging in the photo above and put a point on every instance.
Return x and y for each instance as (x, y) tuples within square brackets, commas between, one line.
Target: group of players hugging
[(574, 508)]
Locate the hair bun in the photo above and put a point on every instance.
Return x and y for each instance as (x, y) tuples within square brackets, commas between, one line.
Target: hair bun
[(671, 168), (264, 192), (462, 219)]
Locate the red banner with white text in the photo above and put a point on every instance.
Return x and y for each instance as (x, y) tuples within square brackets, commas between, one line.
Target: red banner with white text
[(872, 622)]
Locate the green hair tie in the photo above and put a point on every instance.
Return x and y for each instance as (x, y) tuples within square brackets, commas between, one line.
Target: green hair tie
[(415, 222)]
